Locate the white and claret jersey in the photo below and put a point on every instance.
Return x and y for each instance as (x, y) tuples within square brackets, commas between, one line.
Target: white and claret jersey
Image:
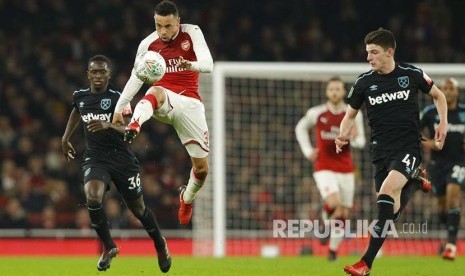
[(188, 43), (327, 123)]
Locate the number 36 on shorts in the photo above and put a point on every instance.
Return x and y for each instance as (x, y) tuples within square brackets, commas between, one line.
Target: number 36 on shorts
[(134, 182)]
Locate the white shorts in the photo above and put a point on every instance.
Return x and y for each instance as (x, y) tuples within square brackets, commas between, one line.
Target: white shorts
[(329, 182), (187, 115)]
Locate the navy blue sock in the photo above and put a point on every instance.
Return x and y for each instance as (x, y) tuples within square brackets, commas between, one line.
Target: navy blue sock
[(150, 224), (453, 222), (385, 213), (99, 222)]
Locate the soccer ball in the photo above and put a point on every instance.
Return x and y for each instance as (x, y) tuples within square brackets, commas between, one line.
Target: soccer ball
[(151, 67)]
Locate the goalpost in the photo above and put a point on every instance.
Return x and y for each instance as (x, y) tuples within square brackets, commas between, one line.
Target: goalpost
[(257, 172)]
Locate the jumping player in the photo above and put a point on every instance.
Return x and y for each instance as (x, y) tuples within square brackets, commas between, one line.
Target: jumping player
[(334, 174), (108, 158), (390, 93), (447, 167), (175, 98)]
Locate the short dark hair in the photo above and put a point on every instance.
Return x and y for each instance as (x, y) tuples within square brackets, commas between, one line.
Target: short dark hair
[(381, 37), (166, 7), (101, 58)]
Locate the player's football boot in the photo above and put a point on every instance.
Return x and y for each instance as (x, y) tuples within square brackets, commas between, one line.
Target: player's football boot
[(164, 258), (105, 260), (360, 268), (449, 252), (131, 131), (421, 175), (185, 210), (332, 257)]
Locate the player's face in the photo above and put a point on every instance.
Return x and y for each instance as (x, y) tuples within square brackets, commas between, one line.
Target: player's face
[(378, 57), (167, 26), (98, 74), (335, 92), (450, 91)]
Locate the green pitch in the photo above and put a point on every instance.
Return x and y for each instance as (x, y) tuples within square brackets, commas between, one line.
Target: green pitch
[(64, 266)]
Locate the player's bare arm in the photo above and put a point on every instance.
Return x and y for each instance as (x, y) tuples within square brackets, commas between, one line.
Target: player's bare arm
[(345, 128), (66, 146), (441, 105)]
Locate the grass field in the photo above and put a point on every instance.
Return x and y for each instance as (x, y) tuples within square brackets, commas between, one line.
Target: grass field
[(65, 266)]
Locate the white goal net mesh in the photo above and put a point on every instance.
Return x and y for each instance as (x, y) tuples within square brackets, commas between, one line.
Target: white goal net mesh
[(266, 177)]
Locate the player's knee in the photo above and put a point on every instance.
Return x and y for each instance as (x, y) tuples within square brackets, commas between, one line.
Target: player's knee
[(94, 201), (158, 93), (332, 200), (94, 194), (201, 171), (453, 202)]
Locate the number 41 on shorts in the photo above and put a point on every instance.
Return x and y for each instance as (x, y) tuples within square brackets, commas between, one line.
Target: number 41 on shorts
[(409, 162)]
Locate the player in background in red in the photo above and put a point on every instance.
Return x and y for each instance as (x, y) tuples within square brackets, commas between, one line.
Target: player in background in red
[(333, 173), (175, 98)]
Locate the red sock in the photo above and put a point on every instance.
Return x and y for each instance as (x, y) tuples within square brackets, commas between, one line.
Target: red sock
[(329, 211), (152, 99)]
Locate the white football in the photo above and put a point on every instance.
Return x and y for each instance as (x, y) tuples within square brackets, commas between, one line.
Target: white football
[(150, 67)]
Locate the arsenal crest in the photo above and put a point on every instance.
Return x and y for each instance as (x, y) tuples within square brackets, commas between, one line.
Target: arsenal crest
[(105, 104), (186, 45), (403, 81)]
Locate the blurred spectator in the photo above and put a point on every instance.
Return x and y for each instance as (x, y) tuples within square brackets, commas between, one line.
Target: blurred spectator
[(115, 216), (82, 220), (15, 216), (48, 218)]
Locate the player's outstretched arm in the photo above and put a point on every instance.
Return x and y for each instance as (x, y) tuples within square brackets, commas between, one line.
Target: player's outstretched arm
[(130, 89), (66, 146), (441, 106), (133, 85), (345, 127)]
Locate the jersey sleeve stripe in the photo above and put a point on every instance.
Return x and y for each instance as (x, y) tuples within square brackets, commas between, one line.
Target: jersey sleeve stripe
[(408, 68), (362, 76), (81, 90), (114, 91)]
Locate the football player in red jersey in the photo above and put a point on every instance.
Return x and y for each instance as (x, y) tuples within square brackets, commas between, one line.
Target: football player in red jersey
[(174, 99), (333, 173)]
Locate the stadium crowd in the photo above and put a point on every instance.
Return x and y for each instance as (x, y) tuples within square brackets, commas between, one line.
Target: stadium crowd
[(45, 46)]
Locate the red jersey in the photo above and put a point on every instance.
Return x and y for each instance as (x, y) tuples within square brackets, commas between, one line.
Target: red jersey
[(326, 123), (188, 43)]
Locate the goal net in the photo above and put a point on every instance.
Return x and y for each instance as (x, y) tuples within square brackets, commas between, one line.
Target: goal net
[(258, 175)]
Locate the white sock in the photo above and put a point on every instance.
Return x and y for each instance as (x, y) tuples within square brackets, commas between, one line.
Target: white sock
[(337, 235), (142, 112), (193, 187)]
